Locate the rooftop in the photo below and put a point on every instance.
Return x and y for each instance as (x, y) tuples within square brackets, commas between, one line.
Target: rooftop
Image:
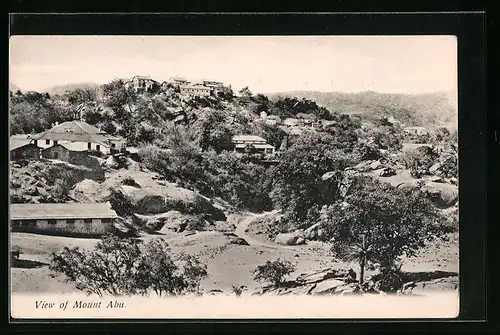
[(18, 141), (61, 211), (248, 138), (75, 131)]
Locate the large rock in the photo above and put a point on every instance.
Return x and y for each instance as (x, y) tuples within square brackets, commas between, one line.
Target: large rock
[(311, 233), (375, 165), (294, 238), (324, 274), (443, 195), (430, 287), (327, 286)]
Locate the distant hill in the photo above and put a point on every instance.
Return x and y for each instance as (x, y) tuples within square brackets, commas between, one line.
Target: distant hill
[(13, 87), (413, 110), (60, 89)]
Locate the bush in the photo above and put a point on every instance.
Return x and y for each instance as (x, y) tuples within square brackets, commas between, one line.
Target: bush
[(128, 267), (274, 272)]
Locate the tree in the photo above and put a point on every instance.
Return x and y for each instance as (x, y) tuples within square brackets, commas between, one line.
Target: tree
[(378, 223), (273, 272), (296, 181), (126, 267)]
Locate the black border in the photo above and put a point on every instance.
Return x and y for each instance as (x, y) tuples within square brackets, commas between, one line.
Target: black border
[(468, 27)]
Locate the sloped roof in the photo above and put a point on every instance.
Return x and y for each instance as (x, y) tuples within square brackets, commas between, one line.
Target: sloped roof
[(18, 142), (249, 138), (75, 131), (61, 211), (263, 146), (72, 146), (196, 86)]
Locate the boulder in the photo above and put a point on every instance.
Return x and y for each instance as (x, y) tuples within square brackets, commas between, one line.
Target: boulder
[(436, 179), (432, 286), (327, 273), (387, 172), (111, 162), (300, 241), (289, 238), (31, 190), (375, 165), (327, 286), (238, 241), (311, 233), (435, 168), (443, 195)]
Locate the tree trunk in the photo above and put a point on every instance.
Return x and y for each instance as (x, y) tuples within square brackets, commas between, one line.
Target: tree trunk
[(362, 270)]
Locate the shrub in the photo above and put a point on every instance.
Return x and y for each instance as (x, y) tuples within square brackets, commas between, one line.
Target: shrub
[(127, 267), (274, 272)]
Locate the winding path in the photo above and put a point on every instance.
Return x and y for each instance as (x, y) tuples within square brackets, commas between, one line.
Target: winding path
[(241, 231)]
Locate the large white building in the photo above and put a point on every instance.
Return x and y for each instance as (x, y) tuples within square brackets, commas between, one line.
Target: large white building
[(80, 136), (252, 144)]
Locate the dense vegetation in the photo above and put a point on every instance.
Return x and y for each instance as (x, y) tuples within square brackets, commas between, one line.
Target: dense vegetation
[(185, 139)]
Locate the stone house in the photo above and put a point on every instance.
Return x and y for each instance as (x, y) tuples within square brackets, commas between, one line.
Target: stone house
[(199, 90), (142, 83), (27, 151)]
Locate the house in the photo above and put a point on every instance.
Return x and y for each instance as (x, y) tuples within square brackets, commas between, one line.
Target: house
[(80, 136), (22, 148), (212, 83), (270, 119), (178, 81), (416, 131), (293, 122), (196, 90), (84, 219), (141, 83), (251, 144)]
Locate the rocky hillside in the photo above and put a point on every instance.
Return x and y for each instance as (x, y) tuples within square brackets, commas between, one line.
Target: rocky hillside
[(412, 110)]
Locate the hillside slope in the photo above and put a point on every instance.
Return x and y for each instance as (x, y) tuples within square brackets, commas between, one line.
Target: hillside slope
[(412, 110)]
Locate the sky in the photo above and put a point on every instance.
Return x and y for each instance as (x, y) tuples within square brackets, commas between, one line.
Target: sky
[(266, 64)]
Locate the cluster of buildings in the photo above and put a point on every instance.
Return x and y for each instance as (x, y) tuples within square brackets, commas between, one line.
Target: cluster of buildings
[(67, 141), (251, 144), (200, 88)]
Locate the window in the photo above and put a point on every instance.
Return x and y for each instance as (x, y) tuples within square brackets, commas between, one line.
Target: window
[(106, 220), (52, 222), (89, 145), (35, 142), (15, 224), (55, 142), (47, 142), (113, 145), (56, 155), (87, 220), (70, 221), (98, 147)]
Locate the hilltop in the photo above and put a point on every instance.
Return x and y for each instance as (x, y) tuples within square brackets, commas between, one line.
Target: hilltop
[(411, 109), (61, 89)]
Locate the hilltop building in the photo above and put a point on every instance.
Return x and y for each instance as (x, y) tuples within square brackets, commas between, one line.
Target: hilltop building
[(141, 83), (196, 90), (79, 136), (84, 219), (178, 81), (252, 144)]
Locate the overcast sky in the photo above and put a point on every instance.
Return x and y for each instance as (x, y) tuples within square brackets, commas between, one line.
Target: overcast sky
[(392, 64)]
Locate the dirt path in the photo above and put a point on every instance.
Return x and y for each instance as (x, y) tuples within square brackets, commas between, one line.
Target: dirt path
[(242, 227)]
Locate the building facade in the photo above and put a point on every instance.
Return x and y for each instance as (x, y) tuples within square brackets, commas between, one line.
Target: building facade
[(199, 90), (250, 144), (27, 151), (79, 136), (142, 83), (63, 219)]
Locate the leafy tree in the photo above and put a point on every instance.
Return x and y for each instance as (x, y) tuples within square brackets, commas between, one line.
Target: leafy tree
[(273, 272), (378, 223), (127, 267), (80, 95), (296, 181)]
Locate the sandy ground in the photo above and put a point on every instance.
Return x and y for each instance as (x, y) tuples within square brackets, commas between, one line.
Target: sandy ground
[(228, 264)]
